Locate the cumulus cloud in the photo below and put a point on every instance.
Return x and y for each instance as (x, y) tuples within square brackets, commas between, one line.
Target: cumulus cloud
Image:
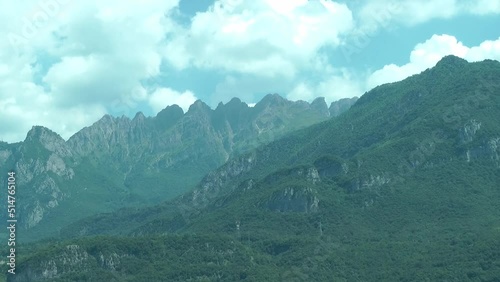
[(163, 97), (334, 86), (302, 91), (489, 49), (103, 63), (82, 59), (480, 7), (249, 88), (76, 59), (426, 55), (408, 12), (266, 38), (413, 12)]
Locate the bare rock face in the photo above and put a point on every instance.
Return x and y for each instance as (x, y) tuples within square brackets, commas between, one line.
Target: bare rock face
[(4, 156), (214, 181), (342, 105), (320, 106), (494, 147), (479, 149), (297, 197), (41, 162), (468, 131), (49, 140), (57, 165), (294, 199)]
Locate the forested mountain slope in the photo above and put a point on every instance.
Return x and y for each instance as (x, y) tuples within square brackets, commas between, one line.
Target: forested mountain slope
[(404, 186)]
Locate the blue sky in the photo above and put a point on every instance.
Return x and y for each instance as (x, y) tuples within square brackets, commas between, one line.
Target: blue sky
[(66, 63)]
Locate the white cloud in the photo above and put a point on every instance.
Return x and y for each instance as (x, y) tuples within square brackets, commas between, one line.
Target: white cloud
[(426, 55), (163, 97), (103, 63), (341, 86), (248, 87), (82, 59), (409, 12), (77, 60), (265, 37), (489, 49), (333, 87), (481, 7), (302, 91), (413, 12), (30, 106)]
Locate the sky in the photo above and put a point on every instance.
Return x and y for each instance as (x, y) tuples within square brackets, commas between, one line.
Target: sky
[(66, 63)]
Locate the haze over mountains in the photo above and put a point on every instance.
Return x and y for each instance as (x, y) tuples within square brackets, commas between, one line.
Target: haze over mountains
[(119, 162), (403, 186)]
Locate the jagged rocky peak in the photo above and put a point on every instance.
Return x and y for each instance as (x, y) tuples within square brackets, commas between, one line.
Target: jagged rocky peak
[(105, 125), (235, 104), (38, 132), (169, 116), (140, 122), (139, 118), (106, 119), (48, 139), (271, 100), (235, 113), (170, 112), (99, 134), (109, 119), (342, 105), (198, 107), (320, 106)]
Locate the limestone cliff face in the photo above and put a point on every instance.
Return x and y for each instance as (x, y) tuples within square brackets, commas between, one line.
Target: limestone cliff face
[(479, 148), (342, 105), (220, 188), (50, 140), (211, 185), (41, 162), (295, 198), (469, 130)]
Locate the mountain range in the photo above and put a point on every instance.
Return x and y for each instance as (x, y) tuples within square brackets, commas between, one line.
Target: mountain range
[(403, 186), (121, 162)]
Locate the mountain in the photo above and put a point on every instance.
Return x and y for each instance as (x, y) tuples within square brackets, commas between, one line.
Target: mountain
[(402, 187), (340, 106), (120, 162)]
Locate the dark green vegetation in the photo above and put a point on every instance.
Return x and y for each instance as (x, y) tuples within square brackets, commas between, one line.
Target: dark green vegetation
[(405, 186), (118, 162)]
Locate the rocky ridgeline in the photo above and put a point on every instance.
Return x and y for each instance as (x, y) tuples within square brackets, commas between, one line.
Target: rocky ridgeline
[(131, 152)]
